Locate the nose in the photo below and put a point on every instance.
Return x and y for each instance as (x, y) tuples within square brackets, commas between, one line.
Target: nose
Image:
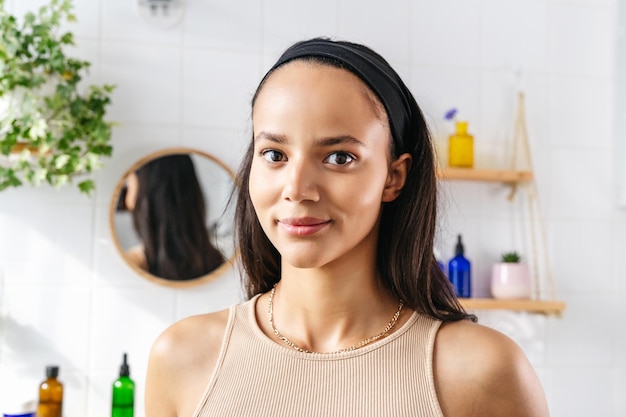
[(300, 182)]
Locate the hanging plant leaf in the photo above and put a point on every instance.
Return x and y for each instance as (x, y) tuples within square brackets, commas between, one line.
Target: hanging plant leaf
[(52, 129)]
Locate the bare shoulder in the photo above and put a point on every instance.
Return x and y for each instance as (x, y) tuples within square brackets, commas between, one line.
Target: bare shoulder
[(137, 256), (181, 362), (481, 372)]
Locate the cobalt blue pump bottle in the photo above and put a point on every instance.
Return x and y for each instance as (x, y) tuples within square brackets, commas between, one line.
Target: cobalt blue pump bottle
[(460, 272)]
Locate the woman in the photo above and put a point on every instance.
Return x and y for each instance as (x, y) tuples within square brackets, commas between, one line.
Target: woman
[(348, 311), (169, 215)]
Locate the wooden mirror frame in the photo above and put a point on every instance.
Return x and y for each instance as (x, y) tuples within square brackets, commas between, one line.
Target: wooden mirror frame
[(114, 235)]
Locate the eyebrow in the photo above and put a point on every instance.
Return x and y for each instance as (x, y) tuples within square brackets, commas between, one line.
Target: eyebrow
[(339, 140), (328, 141), (271, 137)]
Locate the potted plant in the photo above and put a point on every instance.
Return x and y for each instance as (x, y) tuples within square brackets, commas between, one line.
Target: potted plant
[(510, 278), (52, 129)]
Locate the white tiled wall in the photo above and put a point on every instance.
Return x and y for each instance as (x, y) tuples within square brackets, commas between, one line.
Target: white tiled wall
[(66, 297)]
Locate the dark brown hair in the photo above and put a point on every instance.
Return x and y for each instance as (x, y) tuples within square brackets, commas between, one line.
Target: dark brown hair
[(169, 217), (405, 255)]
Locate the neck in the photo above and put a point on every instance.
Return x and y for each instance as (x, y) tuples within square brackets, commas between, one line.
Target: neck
[(324, 311)]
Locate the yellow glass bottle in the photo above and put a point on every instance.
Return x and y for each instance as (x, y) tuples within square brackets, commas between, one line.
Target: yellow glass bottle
[(461, 147)]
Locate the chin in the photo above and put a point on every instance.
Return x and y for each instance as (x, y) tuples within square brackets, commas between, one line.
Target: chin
[(304, 260), (303, 263)]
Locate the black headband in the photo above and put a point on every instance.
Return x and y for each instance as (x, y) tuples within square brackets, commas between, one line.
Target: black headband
[(377, 74)]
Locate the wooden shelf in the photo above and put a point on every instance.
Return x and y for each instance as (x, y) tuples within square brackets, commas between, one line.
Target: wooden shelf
[(532, 306), (472, 174), (508, 177)]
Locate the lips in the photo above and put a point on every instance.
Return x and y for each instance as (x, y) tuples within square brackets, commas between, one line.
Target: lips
[(303, 226)]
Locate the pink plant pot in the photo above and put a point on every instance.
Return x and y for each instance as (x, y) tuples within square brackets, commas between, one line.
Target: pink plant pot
[(510, 281)]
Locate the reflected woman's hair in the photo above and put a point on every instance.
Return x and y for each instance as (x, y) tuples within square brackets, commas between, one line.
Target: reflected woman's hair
[(169, 216)]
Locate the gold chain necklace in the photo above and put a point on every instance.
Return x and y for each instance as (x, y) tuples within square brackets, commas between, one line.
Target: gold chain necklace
[(362, 343)]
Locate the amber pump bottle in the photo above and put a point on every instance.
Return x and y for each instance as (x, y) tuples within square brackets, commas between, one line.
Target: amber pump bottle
[(50, 394), (123, 393)]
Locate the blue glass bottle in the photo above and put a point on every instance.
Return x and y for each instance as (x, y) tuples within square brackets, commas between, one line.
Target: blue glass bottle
[(460, 271)]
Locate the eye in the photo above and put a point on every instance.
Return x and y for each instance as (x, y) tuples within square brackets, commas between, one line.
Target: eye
[(339, 158), (272, 155)]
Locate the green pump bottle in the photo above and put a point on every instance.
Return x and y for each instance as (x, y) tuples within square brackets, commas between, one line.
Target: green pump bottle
[(123, 393)]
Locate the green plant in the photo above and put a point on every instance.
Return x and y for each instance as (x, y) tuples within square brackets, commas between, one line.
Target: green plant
[(50, 130), (511, 257)]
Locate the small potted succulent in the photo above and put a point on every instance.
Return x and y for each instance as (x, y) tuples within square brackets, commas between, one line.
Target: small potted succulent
[(510, 278)]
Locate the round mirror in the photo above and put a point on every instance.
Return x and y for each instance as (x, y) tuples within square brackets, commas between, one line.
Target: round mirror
[(170, 218)]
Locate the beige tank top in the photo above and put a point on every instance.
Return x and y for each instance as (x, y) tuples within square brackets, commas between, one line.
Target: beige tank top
[(255, 376)]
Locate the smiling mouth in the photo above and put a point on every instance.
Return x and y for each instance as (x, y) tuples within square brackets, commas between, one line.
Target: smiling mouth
[(305, 226)]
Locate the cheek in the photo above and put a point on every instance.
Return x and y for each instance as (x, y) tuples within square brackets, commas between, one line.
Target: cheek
[(359, 198), (367, 199), (258, 189), (371, 184)]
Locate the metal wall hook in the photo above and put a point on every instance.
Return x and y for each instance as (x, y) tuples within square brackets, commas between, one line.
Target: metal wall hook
[(161, 14)]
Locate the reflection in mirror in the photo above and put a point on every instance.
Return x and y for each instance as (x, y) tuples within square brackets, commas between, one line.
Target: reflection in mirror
[(169, 217)]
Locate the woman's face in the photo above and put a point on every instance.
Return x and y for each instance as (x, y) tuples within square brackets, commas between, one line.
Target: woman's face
[(320, 170)]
